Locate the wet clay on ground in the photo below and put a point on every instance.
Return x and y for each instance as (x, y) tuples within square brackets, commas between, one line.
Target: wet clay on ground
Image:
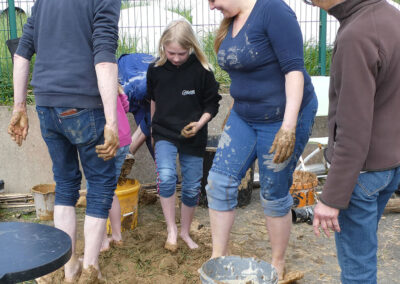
[(143, 259)]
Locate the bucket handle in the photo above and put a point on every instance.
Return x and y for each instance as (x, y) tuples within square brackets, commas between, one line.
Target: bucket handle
[(128, 214)]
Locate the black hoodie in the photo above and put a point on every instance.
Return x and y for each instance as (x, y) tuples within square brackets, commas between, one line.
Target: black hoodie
[(182, 94)]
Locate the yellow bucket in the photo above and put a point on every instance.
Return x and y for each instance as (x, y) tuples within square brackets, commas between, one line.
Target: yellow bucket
[(128, 194)]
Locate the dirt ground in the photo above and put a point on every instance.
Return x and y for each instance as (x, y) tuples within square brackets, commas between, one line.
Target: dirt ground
[(144, 260)]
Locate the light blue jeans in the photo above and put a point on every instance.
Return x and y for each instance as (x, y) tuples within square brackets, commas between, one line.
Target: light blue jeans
[(191, 169), (240, 144), (357, 242)]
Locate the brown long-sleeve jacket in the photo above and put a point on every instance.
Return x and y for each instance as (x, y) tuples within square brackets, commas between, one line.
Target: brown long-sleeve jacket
[(364, 96)]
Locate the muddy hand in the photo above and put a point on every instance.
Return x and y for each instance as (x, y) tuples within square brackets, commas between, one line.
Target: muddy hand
[(18, 127), (283, 145), (189, 130), (108, 150)]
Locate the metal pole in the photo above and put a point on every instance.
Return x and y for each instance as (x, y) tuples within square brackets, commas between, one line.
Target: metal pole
[(12, 20), (322, 42)]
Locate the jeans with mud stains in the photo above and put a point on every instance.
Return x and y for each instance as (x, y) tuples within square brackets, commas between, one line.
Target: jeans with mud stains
[(67, 136), (357, 242), (240, 144)]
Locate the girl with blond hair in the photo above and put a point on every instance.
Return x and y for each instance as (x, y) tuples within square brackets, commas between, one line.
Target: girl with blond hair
[(184, 98)]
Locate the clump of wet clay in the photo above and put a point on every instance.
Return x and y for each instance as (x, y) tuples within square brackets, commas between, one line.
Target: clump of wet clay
[(126, 169)]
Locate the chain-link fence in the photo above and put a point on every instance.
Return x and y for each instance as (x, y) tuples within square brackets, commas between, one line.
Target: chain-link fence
[(142, 22)]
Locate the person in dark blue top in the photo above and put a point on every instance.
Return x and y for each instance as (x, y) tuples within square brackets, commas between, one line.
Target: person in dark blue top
[(75, 85), (259, 44)]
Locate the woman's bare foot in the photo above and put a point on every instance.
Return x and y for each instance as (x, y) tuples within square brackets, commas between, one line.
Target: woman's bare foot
[(291, 277), (280, 268), (188, 240)]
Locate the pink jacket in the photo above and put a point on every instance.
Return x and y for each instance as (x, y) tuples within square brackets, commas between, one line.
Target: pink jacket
[(124, 129)]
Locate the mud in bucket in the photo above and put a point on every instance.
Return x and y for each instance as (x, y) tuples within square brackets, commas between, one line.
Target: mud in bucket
[(43, 195), (236, 269)]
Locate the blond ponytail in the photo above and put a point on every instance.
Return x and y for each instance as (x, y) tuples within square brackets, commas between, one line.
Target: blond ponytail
[(221, 33)]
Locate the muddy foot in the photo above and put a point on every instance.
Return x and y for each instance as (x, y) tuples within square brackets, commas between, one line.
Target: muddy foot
[(291, 277), (171, 247), (90, 275), (73, 273)]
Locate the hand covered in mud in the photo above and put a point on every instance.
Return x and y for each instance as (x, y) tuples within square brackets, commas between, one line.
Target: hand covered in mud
[(109, 149), (18, 127), (327, 218), (190, 130), (283, 145)]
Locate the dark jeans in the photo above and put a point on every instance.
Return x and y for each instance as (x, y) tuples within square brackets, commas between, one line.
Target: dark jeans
[(66, 137)]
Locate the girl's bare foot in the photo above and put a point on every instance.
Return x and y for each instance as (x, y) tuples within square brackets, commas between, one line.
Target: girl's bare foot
[(172, 240), (188, 240)]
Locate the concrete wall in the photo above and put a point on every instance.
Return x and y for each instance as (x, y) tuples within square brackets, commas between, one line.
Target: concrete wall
[(23, 167)]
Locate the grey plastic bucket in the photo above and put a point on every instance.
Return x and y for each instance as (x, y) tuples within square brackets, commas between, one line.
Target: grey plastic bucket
[(44, 195), (235, 269)]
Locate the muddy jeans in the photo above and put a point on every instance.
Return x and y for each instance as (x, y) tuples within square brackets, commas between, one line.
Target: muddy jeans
[(240, 144), (68, 135)]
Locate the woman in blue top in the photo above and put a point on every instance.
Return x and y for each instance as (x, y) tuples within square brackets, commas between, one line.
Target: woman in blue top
[(259, 43)]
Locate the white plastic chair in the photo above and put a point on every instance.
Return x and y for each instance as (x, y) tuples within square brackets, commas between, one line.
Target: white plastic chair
[(321, 86)]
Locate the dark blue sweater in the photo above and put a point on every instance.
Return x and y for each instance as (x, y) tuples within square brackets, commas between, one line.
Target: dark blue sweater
[(69, 38), (268, 46)]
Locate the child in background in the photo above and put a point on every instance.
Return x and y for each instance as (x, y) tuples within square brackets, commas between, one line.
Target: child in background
[(132, 69), (124, 133), (184, 98)]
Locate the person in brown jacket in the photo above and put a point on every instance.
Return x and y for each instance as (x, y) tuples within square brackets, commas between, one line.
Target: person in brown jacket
[(364, 132)]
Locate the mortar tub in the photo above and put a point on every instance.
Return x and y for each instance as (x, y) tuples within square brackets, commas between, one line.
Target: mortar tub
[(236, 269), (43, 196)]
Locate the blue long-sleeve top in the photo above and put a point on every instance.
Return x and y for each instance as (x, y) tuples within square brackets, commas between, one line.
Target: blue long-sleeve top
[(69, 38), (268, 46)]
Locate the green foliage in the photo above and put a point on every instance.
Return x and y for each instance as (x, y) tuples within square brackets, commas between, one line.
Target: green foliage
[(220, 75), (186, 13), (6, 67), (311, 60), (127, 45), (125, 4)]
